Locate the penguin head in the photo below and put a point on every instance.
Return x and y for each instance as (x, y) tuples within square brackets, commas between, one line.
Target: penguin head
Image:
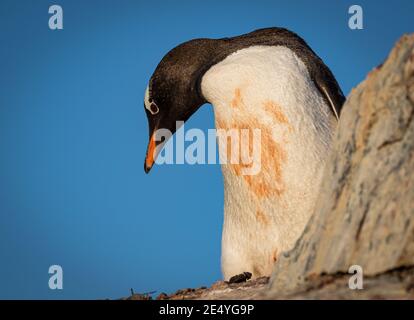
[(173, 93)]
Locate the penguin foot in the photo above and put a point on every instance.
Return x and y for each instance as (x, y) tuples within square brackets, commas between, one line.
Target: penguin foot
[(239, 278)]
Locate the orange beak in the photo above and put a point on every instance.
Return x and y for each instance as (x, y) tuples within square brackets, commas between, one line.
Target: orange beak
[(150, 157)]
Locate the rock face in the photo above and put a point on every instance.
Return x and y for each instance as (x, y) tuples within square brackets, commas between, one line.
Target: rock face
[(365, 211)]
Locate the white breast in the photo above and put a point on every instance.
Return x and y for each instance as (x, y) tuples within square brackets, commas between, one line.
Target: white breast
[(268, 88)]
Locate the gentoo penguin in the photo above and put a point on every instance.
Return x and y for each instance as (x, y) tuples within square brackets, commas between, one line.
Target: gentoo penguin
[(268, 79)]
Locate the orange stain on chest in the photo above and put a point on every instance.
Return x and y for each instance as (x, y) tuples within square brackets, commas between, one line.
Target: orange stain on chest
[(275, 111), (269, 181), (237, 101), (261, 217)]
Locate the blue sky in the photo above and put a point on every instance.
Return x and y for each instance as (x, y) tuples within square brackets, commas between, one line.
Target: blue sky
[(73, 136)]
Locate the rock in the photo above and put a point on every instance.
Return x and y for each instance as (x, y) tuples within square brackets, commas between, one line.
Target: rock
[(162, 296), (251, 289), (219, 285), (365, 212), (138, 296), (396, 284)]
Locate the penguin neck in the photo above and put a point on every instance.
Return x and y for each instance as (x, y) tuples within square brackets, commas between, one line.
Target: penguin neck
[(269, 88)]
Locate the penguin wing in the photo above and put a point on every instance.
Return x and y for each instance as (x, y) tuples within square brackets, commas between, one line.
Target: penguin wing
[(330, 90)]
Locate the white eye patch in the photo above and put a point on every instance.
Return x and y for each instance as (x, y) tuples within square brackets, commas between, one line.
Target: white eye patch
[(150, 105)]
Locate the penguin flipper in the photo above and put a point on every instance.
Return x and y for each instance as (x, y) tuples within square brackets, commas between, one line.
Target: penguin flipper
[(332, 93)]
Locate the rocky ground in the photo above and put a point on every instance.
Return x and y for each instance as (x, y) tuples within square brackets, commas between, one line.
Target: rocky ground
[(219, 290), (394, 284)]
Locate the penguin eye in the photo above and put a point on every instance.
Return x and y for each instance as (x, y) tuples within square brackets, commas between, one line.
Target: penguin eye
[(153, 108), (149, 103)]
